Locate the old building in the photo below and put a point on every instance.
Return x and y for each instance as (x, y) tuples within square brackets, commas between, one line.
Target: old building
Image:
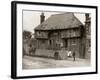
[(61, 32)]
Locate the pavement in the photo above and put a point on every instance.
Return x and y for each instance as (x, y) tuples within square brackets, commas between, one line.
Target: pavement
[(29, 62)]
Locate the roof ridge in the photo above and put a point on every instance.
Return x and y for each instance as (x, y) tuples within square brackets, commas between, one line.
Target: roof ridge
[(63, 13)]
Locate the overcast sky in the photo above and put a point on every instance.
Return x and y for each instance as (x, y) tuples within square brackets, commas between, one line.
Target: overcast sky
[(31, 19)]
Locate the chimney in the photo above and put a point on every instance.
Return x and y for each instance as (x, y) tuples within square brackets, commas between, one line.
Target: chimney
[(87, 23), (42, 18), (87, 17)]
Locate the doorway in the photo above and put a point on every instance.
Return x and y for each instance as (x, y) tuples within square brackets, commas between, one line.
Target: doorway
[(66, 43)]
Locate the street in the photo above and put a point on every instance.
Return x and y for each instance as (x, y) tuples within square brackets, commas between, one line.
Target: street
[(39, 63)]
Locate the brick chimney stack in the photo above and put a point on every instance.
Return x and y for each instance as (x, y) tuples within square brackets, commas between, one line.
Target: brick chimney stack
[(87, 16), (87, 22), (42, 18), (88, 34)]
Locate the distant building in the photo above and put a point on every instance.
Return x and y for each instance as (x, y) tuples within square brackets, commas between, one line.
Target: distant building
[(61, 31)]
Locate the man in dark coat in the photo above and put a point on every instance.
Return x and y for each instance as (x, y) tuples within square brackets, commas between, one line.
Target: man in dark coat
[(73, 56)]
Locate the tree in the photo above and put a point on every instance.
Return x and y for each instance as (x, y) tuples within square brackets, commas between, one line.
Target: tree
[(27, 34)]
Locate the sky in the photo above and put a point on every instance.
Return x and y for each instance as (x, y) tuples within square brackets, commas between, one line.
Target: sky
[(31, 19)]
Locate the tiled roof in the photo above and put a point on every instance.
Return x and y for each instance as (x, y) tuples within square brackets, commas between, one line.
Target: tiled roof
[(59, 21)]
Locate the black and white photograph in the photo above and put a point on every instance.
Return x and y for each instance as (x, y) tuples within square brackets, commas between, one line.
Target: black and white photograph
[(56, 39), (53, 39)]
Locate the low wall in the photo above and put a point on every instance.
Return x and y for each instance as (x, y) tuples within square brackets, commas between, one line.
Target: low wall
[(51, 53)]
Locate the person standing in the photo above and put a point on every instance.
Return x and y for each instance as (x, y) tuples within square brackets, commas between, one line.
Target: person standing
[(74, 56)]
